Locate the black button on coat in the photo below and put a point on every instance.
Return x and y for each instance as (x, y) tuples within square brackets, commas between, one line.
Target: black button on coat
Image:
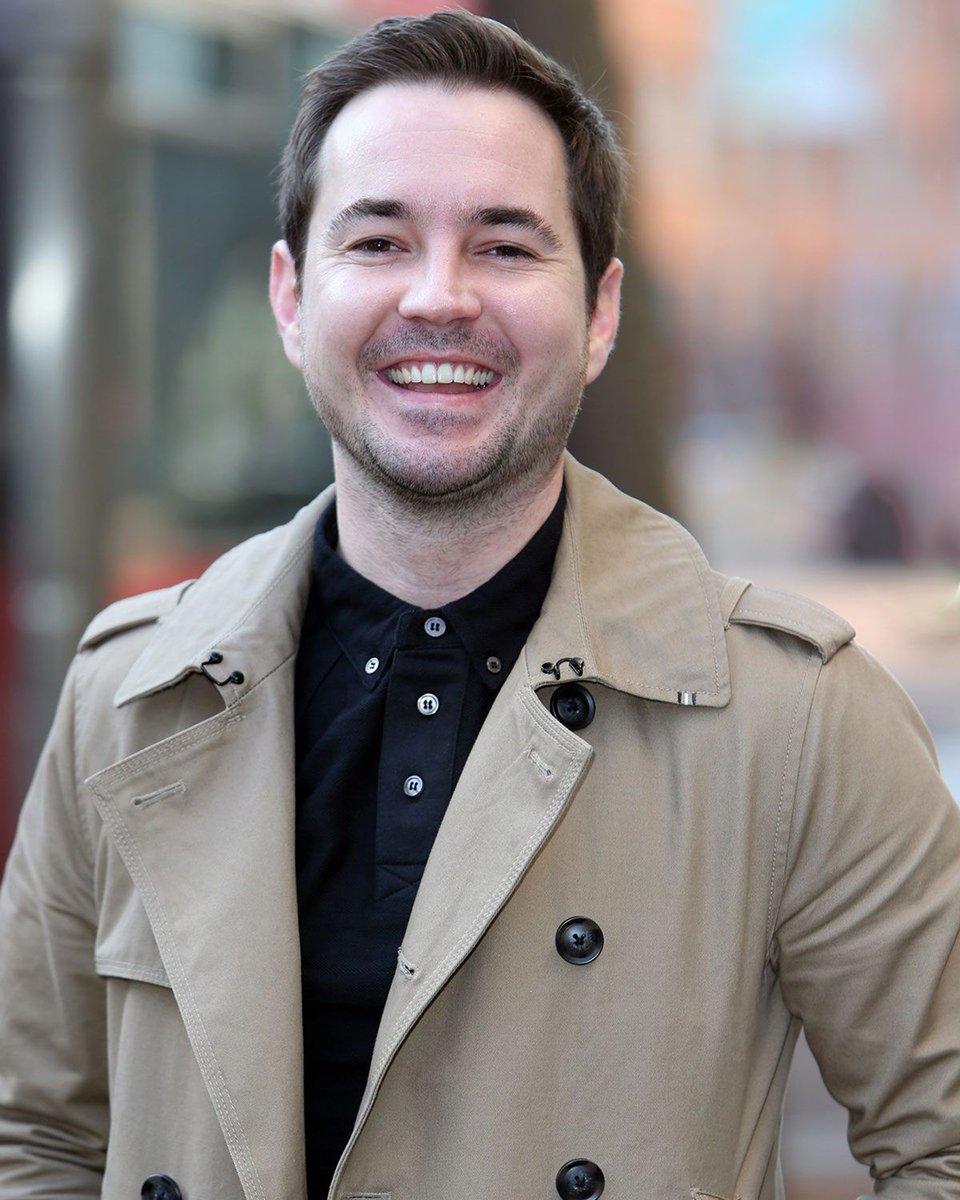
[(579, 940), (160, 1187), (580, 1179), (573, 706)]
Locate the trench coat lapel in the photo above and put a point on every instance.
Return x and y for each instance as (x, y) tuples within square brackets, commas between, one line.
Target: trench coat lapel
[(204, 823), (518, 780)]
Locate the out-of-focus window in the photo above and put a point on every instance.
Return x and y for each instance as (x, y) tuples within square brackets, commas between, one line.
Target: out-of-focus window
[(222, 439)]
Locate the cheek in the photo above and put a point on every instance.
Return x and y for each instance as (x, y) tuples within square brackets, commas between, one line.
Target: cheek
[(339, 319), (556, 341)]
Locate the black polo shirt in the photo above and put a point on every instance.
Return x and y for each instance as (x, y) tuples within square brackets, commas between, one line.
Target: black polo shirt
[(389, 700)]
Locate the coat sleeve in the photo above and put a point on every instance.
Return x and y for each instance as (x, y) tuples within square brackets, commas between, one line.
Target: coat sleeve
[(866, 939), (53, 1065)]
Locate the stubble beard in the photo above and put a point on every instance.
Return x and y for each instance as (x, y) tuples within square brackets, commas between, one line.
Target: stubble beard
[(495, 476)]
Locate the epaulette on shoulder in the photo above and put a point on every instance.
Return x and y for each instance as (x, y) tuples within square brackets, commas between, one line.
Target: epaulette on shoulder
[(126, 614), (788, 613)]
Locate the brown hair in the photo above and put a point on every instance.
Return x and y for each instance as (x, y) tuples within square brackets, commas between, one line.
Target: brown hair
[(459, 50)]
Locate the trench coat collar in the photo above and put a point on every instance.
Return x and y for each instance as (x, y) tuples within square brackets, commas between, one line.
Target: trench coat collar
[(248, 606), (632, 596)]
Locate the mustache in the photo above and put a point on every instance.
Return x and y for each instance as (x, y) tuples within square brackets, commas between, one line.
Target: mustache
[(414, 342)]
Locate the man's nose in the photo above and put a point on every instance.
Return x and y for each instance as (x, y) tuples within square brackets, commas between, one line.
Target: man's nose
[(441, 289)]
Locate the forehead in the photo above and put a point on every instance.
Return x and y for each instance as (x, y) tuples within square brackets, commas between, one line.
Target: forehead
[(475, 146)]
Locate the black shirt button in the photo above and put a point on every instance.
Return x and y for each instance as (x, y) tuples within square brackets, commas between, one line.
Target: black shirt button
[(161, 1187), (573, 705), (579, 941), (580, 1179)]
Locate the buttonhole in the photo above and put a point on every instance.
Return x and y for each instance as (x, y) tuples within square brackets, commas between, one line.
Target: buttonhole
[(174, 789), (542, 766)]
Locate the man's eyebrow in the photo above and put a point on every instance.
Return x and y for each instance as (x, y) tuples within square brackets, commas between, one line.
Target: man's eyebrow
[(519, 218), (359, 210)]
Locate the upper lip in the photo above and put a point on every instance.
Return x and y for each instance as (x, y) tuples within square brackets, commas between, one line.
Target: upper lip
[(432, 356)]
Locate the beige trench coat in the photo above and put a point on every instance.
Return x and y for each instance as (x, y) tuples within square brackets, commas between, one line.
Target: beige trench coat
[(780, 851)]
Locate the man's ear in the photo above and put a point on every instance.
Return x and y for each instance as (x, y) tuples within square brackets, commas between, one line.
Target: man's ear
[(605, 320), (284, 300)]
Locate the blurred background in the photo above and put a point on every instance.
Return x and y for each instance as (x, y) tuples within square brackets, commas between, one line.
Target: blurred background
[(787, 380)]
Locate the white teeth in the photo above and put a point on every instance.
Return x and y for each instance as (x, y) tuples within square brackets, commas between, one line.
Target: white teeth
[(443, 372)]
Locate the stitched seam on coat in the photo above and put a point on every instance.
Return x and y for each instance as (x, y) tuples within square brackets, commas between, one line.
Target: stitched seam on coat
[(263, 679), (771, 622), (771, 908), (292, 562), (698, 566), (775, 620), (210, 1068), (118, 968), (581, 610), (730, 596), (136, 764)]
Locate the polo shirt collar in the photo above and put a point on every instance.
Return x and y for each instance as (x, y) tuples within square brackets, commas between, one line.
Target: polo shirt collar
[(493, 621)]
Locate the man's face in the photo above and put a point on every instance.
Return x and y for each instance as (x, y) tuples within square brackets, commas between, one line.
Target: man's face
[(441, 325)]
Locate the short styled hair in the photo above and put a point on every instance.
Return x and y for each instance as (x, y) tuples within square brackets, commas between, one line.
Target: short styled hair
[(459, 50)]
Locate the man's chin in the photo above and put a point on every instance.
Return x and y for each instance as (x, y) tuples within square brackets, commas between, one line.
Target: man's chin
[(433, 481)]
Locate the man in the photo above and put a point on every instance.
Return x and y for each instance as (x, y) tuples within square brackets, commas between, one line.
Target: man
[(630, 823)]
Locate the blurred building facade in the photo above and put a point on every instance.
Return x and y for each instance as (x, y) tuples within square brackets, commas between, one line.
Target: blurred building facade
[(799, 183)]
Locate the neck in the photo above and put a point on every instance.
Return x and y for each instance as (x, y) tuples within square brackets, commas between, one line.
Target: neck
[(440, 553)]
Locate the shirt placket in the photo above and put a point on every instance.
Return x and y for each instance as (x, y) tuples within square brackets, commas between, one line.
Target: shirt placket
[(424, 704)]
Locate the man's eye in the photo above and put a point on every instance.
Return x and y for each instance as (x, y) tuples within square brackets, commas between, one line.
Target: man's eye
[(375, 245), (507, 250)]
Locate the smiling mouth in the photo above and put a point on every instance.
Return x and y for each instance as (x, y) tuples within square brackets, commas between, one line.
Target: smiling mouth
[(445, 374)]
